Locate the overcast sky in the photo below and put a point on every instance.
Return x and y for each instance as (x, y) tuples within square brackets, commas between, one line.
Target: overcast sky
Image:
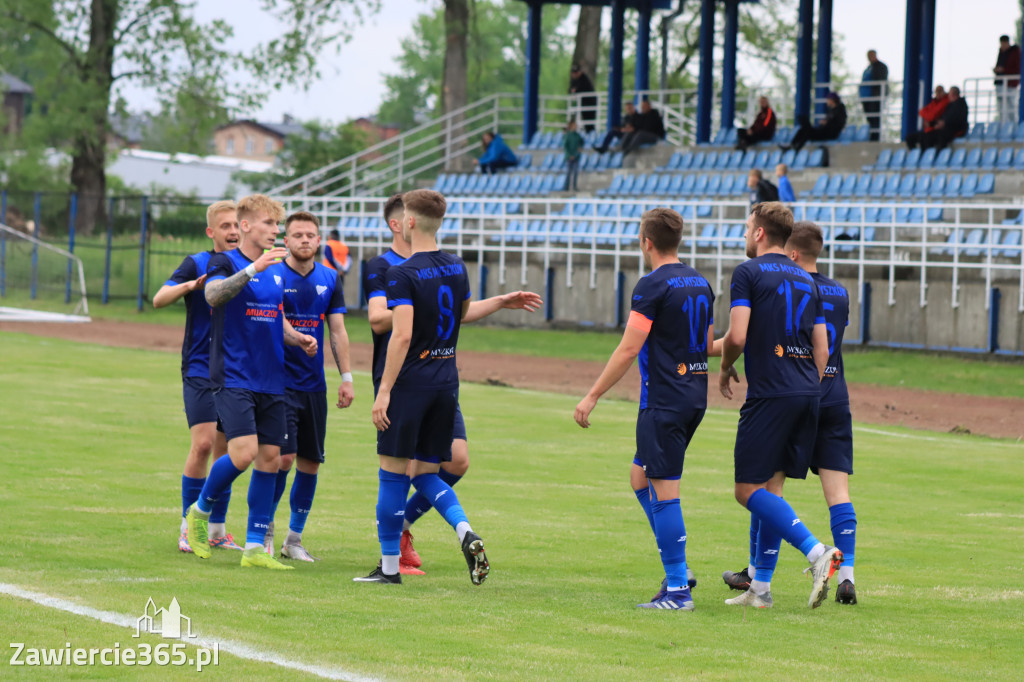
[(966, 39)]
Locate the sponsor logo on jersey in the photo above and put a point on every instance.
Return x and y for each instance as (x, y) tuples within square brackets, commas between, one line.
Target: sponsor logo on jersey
[(277, 280), (681, 369), (320, 289), (779, 350)]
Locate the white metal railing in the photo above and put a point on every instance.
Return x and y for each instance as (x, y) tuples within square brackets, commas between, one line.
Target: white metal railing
[(991, 98), (602, 233)]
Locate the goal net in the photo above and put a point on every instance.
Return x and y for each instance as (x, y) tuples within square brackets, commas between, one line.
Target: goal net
[(39, 282)]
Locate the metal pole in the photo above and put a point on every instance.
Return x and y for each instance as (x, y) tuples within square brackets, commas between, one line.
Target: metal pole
[(705, 81), (642, 70), (110, 247), (732, 19), (37, 210), (804, 47), (823, 74), (144, 223), (530, 102), (71, 245), (927, 47), (911, 62), (615, 64)]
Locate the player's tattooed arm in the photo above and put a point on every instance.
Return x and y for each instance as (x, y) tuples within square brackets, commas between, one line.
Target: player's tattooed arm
[(223, 290), (303, 341)]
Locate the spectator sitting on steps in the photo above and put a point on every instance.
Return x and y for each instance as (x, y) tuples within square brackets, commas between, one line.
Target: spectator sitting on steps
[(952, 124), (828, 128), (761, 130), (497, 154), (649, 129)]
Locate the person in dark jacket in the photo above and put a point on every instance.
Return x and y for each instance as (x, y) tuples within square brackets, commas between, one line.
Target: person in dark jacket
[(580, 83), (761, 190), (873, 88), (497, 154), (628, 125), (952, 124), (1007, 64), (649, 129), (761, 130), (828, 128)]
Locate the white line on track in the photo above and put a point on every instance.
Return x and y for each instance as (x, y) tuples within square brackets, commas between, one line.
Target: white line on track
[(238, 649), (914, 436)]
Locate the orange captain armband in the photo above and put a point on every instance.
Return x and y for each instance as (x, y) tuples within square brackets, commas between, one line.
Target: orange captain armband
[(639, 321)]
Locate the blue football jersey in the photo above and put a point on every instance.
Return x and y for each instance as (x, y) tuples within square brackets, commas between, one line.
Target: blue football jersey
[(247, 346), (308, 300), (435, 284), (195, 347), (375, 285), (835, 301), (784, 307), (678, 303)]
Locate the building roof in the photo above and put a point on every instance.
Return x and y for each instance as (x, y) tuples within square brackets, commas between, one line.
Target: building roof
[(281, 130), (14, 85), (130, 127)]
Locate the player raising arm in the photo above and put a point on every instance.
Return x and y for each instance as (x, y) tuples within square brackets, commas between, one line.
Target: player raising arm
[(670, 326)]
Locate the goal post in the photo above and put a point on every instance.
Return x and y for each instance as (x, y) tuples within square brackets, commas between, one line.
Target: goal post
[(39, 282)]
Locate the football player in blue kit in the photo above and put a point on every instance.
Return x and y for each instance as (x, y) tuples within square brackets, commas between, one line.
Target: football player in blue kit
[(245, 288), (313, 297), (380, 318), (670, 328), (776, 320), (414, 411), (832, 458), (200, 411)]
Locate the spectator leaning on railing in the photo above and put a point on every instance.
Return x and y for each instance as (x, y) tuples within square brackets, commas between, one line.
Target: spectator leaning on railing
[(1007, 64)]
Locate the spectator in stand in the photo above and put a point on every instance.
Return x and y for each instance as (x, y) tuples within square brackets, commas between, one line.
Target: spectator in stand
[(930, 113), (649, 129), (572, 143), (761, 190), (336, 254), (497, 154), (628, 119), (761, 130), (786, 193), (580, 83), (873, 89), (952, 124), (828, 128), (1007, 64)]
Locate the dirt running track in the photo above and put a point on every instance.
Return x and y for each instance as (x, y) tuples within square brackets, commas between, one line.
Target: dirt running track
[(999, 417)]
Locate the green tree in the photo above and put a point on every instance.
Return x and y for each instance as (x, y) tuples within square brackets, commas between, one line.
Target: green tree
[(95, 47)]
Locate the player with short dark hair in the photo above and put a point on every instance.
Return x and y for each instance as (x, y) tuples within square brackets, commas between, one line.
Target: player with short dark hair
[(245, 288), (415, 407), (777, 322), (670, 328), (832, 458), (313, 296), (380, 317), (200, 410)]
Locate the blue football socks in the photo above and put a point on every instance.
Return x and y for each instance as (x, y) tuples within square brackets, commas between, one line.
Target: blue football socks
[(670, 533), (844, 535), (777, 513), (280, 483), (768, 545), (442, 496), (303, 489), (755, 525), (391, 496), (419, 504), (261, 501), (190, 489), (220, 507), (643, 496), (222, 474)]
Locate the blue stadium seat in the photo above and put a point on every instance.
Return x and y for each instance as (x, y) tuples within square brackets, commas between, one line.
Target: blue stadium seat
[(987, 183), (934, 213), (686, 162), (605, 229), (613, 188), (714, 185), (439, 182), (1011, 244), (849, 184), (1019, 132), (627, 231), (739, 184), (952, 241), (1006, 131), (700, 189), (673, 162), (800, 160), (820, 188), (953, 184), (884, 159), (975, 238), (1018, 159), (903, 214), (898, 158), (863, 133), (835, 183), (923, 186), (775, 157), (675, 186), (534, 141), (689, 182), (749, 160), (863, 185), (784, 135), (710, 159), (911, 160), (761, 160), (878, 182), (707, 236), (788, 158), (892, 185), (970, 186), (816, 158), (589, 161), (938, 188), (799, 212), (704, 211), (616, 160), (734, 236), (927, 160), (846, 135), (885, 214), (977, 133), (973, 159), (989, 158), (583, 233), (524, 161), (959, 159), (734, 161), (1005, 159), (992, 131), (698, 160), (663, 182), (649, 186), (942, 159)]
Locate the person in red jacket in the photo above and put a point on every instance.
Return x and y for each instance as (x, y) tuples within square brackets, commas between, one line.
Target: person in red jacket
[(762, 130), (932, 112)]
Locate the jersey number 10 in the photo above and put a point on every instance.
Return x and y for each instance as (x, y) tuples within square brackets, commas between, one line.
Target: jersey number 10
[(697, 309)]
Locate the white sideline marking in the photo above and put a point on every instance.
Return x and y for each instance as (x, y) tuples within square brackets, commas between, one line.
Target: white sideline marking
[(25, 315), (227, 646), (932, 439)]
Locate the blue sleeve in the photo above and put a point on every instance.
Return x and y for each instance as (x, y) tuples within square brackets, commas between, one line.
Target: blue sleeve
[(329, 256), (469, 289), (505, 152), (819, 308), (786, 190), (644, 299), (711, 305), (491, 153), (337, 303), (741, 289), (219, 267), (399, 287), (374, 281), (186, 272)]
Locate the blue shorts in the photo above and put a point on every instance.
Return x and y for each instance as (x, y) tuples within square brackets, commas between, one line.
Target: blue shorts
[(246, 413), (661, 440), (200, 407), (775, 434), (422, 425), (458, 432), (833, 447), (306, 415)]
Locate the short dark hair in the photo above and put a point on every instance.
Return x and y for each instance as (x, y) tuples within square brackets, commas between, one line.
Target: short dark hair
[(301, 216), (425, 203), (1003, 39), (335, 235), (756, 172), (806, 238), (954, 88), (664, 227), (392, 206), (775, 219)]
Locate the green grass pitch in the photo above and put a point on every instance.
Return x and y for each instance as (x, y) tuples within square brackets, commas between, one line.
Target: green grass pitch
[(94, 439)]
